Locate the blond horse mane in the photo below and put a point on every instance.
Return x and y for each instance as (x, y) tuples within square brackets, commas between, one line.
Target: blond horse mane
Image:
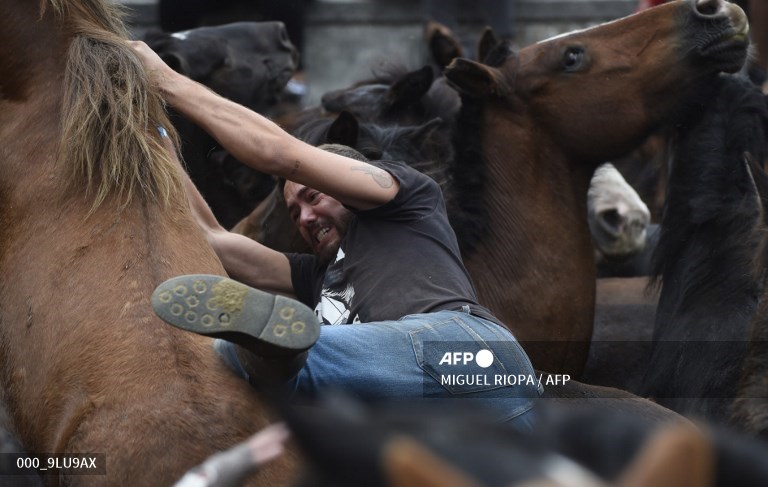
[(111, 111)]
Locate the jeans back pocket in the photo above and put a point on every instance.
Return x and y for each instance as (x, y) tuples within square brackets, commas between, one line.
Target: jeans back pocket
[(466, 359)]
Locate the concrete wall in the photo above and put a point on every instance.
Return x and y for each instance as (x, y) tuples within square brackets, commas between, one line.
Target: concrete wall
[(346, 39)]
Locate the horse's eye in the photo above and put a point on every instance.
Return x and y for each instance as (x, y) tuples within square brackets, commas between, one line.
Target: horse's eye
[(573, 58)]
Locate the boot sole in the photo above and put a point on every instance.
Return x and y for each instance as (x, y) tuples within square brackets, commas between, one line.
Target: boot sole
[(219, 307)]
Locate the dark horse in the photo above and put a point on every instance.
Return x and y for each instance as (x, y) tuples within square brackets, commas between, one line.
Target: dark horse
[(712, 233), (537, 124), (94, 217)]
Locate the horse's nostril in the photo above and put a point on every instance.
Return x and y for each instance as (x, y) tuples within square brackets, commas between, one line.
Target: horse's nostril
[(611, 218), (708, 8)]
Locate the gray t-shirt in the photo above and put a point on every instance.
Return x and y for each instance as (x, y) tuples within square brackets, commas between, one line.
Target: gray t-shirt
[(397, 259)]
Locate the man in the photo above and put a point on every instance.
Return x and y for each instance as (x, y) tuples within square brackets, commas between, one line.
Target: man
[(385, 258)]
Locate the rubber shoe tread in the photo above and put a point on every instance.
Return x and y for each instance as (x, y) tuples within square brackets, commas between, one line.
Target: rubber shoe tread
[(220, 307)]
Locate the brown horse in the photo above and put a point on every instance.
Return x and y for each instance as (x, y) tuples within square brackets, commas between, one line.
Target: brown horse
[(93, 218), (541, 122)]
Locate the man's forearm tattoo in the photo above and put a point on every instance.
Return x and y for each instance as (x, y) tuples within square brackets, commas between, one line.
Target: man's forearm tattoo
[(380, 176)]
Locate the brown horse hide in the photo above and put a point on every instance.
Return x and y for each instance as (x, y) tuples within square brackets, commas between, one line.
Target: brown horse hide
[(94, 218)]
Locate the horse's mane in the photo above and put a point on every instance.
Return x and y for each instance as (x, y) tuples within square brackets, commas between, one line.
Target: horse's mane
[(469, 174), (713, 193), (110, 112)]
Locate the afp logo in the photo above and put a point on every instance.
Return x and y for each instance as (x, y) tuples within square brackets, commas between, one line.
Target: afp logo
[(483, 358)]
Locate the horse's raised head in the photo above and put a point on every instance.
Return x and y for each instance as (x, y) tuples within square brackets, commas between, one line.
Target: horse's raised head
[(601, 90)]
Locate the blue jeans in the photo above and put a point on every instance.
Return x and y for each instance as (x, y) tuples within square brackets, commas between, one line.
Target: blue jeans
[(429, 356)]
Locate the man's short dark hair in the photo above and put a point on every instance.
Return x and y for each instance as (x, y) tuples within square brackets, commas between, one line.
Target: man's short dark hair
[(342, 150)]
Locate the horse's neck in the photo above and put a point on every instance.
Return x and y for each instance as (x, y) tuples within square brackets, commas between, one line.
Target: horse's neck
[(87, 282), (143, 240), (64, 269), (535, 266), (536, 203), (108, 262), (47, 238)]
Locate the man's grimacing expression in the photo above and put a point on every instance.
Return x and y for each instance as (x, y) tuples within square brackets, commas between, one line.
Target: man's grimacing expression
[(322, 220)]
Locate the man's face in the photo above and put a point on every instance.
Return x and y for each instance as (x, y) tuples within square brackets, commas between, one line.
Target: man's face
[(322, 221)]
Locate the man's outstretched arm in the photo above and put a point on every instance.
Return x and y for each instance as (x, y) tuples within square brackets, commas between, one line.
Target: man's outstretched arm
[(264, 146)]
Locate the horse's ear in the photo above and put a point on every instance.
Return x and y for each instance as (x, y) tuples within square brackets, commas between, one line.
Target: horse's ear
[(487, 42), (410, 88), (474, 79), (344, 130), (443, 44)]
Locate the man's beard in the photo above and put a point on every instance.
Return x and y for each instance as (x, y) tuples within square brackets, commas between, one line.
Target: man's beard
[(328, 254)]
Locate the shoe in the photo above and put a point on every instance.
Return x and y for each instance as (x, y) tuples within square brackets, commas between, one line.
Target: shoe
[(263, 323)]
